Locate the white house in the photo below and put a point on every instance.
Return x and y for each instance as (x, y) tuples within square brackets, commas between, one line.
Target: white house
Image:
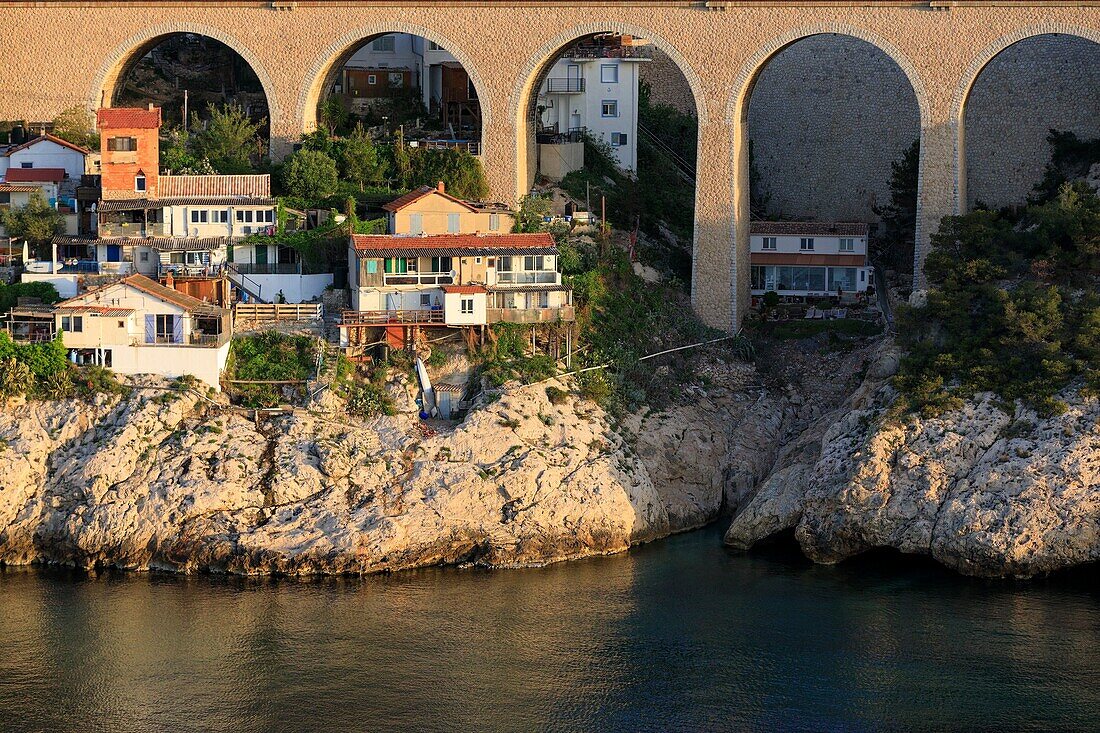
[(135, 326), (808, 258), (46, 151), (592, 88), (456, 280)]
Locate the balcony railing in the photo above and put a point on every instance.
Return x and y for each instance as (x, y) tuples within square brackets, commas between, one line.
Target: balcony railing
[(609, 52), (529, 277), (530, 315), (564, 85), (428, 278), (131, 229), (384, 317)]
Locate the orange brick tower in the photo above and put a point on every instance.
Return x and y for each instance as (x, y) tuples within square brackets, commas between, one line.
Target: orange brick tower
[(129, 140)]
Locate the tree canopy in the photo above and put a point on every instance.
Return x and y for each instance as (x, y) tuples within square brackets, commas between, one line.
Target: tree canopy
[(37, 222), (77, 126), (230, 140), (310, 175)]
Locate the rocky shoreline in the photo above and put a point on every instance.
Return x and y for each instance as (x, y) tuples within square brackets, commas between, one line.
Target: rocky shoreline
[(165, 479)]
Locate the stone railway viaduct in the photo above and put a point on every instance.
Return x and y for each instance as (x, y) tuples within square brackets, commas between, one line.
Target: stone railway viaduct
[(56, 54)]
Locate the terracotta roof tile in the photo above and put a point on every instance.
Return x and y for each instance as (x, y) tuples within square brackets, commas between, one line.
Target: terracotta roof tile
[(133, 117), (37, 175), (165, 293), (47, 138), (464, 289), (257, 185), (414, 196)]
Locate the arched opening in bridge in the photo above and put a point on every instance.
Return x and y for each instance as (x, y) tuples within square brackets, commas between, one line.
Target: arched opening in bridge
[(200, 84), (609, 121), (1036, 99), (401, 83), (832, 120)]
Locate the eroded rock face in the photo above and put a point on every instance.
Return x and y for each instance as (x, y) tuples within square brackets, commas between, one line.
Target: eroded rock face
[(982, 491), (162, 480)]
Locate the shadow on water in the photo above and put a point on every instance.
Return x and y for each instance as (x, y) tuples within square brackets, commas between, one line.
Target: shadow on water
[(681, 634)]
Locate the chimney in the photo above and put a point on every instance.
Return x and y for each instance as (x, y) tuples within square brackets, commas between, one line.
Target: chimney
[(441, 187), (150, 106), (169, 281)]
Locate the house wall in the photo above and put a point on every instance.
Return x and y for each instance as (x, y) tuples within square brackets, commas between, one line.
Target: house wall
[(178, 221), (47, 154), (172, 361), (555, 161), (827, 245), (586, 108), (295, 288), (119, 168), (452, 309), (434, 210), (98, 330), (66, 284), (245, 254)]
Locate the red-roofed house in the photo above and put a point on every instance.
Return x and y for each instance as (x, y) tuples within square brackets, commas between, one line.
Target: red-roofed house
[(46, 151), (457, 279), (129, 144), (809, 258), (430, 210)]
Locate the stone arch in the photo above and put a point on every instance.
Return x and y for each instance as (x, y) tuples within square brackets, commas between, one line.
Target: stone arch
[(966, 83), (136, 46), (530, 75), (737, 111), (328, 62)]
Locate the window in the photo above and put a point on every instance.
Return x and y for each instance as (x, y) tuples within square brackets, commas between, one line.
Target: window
[(847, 245), (386, 44), (371, 80), (842, 278), (199, 216), (618, 139), (396, 78), (397, 266), (143, 257), (219, 216), (806, 244), (477, 260), (122, 144), (609, 108), (73, 324), (504, 264), (416, 223), (433, 46), (609, 73), (245, 216), (452, 223), (267, 216), (166, 329), (372, 267), (533, 262), (494, 224), (544, 300), (27, 165), (768, 243), (139, 182), (425, 300), (441, 264), (466, 305)]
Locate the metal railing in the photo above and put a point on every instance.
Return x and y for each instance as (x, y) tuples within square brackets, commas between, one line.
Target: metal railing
[(564, 85), (131, 229), (532, 277), (384, 317), (429, 278), (609, 52), (530, 315)]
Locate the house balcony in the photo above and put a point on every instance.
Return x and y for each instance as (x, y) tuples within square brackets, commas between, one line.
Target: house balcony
[(427, 278), (564, 85), (411, 317), (273, 268), (591, 52), (131, 229), (563, 313), (533, 277)]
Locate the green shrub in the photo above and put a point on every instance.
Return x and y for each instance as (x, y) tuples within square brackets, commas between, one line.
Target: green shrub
[(16, 378), (556, 395), (370, 400)]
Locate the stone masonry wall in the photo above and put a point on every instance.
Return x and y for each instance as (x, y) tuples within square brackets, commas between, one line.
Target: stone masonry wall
[(830, 113)]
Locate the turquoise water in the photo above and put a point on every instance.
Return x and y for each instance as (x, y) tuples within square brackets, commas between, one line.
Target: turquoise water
[(676, 636)]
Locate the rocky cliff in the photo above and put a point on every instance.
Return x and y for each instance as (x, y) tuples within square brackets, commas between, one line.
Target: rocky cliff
[(165, 479), (984, 491)]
